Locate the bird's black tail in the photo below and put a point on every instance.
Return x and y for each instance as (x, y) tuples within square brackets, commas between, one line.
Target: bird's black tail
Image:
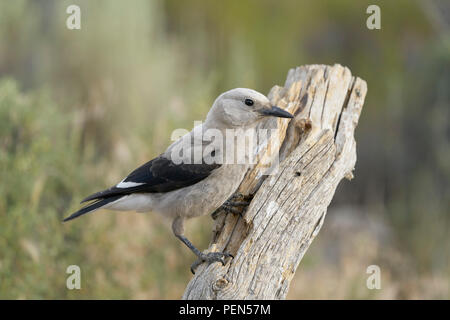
[(92, 207)]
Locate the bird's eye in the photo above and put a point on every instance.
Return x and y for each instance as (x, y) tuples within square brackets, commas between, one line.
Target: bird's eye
[(248, 102)]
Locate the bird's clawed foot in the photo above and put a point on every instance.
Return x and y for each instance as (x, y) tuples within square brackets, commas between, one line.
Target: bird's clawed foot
[(237, 200), (210, 258)]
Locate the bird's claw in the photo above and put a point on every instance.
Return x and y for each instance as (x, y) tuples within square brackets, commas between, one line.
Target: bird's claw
[(230, 206), (210, 258), (239, 197)]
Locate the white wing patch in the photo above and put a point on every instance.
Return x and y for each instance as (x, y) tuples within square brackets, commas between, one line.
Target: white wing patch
[(122, 184)]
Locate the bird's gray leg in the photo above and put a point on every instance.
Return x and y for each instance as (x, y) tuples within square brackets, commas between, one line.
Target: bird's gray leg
[(178, 230), (229, 206)]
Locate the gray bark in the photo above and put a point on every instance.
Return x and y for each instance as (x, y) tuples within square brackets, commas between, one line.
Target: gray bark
[(317, 150)]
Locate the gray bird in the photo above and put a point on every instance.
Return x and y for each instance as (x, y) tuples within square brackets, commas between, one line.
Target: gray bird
[(182, 188)]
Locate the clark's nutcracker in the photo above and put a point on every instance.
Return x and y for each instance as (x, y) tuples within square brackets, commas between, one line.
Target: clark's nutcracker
[(185, 189)]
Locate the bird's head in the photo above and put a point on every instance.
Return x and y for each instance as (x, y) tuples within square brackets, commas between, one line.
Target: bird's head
[(242, 107)]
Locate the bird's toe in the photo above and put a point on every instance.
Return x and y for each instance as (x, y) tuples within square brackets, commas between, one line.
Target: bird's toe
[(211, 257)]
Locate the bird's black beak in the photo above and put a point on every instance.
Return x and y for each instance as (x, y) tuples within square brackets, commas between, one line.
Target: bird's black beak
[(274, 111)]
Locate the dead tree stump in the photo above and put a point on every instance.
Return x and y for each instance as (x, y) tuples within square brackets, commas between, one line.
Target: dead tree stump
[(316, 150)]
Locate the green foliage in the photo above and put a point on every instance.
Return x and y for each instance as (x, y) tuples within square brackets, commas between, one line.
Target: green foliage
[(38, 161)]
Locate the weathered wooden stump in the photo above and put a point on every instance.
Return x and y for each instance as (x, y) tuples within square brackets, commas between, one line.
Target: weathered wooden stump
[(316, 150)]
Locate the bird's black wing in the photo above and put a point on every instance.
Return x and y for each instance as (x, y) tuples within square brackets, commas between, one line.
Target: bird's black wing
[(158, 175)]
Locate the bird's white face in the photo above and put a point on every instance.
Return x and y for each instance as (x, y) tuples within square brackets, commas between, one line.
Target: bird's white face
[(243, 108)]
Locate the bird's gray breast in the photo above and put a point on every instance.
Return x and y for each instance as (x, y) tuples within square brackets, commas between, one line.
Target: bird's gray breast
[(203, 197)]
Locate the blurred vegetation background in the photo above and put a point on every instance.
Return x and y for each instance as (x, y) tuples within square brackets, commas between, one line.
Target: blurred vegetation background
[(79, 109)]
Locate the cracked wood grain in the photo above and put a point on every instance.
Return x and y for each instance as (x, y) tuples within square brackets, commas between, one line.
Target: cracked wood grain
[(316, 150)]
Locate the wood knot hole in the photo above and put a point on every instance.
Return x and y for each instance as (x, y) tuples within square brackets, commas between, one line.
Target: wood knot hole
[(220, 284)]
